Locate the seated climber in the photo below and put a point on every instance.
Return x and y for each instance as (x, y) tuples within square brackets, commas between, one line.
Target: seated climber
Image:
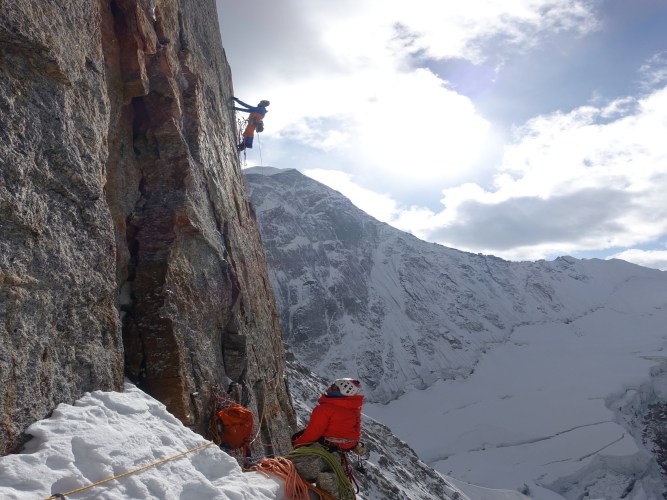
[(335, 424), (255, 121)]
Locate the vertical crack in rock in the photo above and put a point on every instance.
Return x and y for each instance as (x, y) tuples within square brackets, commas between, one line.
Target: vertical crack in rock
[(153, 353), (260, 392)]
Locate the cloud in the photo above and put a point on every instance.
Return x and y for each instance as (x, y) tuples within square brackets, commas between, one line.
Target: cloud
[(648, 258), (528, 221), (381, 206), (358, 105), (296, 37), (570, 181), (466, 30), (654, 71), (590, 179), (381, 124), (348, 79)]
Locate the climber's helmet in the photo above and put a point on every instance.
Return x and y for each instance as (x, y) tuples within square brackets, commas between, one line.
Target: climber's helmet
[(344, 387)]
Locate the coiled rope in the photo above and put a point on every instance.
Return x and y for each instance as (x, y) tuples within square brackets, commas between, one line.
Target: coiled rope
[(345, 487), (133, 471), (295, 487)]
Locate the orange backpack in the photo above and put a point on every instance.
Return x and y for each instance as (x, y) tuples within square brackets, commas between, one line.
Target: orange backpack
[(231, 425)]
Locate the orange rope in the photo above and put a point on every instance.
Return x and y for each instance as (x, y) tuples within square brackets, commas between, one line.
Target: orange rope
[(295, 487)]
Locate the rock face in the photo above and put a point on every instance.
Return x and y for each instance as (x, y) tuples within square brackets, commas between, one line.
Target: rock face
[(127, 245)]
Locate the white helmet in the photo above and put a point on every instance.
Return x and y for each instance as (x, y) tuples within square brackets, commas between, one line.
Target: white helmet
[(348, 386)]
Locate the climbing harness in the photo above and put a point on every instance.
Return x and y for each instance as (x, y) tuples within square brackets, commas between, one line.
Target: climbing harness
[(133, 471), (333, 445), (241, 124)]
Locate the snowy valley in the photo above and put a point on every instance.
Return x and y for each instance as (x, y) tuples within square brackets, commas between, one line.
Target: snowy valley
[(540, 377)]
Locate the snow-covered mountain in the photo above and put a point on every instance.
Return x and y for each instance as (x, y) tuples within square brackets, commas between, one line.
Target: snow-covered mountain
[(358, 296), (542, 377)]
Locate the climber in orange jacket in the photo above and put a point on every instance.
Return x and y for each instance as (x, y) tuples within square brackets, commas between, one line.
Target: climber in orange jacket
[(255, 121), (335, 424), (336, 421)]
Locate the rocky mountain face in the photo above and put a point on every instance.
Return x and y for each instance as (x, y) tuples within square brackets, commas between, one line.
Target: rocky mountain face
[(360, 298), (127, 246)]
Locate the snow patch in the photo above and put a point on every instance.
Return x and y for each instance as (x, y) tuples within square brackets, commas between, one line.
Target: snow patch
[(106, 434)]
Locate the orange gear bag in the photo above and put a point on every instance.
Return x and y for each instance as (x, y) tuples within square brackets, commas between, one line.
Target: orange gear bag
[(231, 425)]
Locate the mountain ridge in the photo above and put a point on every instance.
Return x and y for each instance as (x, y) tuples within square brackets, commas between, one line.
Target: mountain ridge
[(341, 277)]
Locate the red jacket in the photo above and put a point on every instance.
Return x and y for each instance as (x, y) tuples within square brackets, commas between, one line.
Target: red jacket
[(338, 418)]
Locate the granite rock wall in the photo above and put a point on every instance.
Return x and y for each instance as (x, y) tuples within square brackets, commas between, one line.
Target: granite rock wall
[(127, 244)]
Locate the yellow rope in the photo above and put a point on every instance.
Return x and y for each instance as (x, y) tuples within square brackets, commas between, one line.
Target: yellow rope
[(62, 495), (345, 488)]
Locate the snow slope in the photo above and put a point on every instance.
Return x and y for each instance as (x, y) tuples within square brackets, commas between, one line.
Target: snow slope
[(106, 434), (548, 410)]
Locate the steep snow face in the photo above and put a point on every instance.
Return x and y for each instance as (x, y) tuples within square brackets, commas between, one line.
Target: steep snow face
[(359, 297)]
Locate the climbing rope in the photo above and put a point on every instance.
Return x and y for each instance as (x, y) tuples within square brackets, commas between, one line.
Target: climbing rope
[(345, 487), (261, 161), (240, 125), (271, 384), (140, 469), (295, 487), (348, 469)]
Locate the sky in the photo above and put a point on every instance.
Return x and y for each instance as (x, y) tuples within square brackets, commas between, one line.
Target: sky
[(525, 129)]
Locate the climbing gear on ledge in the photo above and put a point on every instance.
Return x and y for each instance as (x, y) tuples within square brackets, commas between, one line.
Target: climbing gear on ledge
[(347, 485), (295, 487), (231, 426)]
